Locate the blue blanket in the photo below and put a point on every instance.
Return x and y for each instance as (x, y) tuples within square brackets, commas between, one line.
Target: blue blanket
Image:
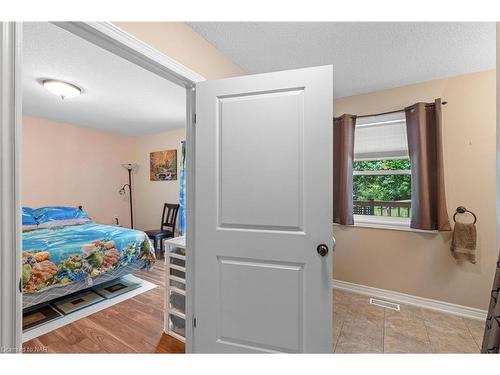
[(75, 253)]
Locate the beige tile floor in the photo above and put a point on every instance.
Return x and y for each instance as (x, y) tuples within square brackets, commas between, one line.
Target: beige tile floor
[(359, 327)]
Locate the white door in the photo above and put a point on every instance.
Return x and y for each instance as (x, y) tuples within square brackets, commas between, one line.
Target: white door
[(263, 204)]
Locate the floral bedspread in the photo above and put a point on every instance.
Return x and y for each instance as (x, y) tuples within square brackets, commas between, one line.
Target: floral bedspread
[(75, 253)]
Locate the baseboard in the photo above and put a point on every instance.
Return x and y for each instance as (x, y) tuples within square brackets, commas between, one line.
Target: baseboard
[(427, 303)]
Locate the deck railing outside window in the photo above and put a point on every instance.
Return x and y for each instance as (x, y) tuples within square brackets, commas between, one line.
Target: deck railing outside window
[(381, 208)]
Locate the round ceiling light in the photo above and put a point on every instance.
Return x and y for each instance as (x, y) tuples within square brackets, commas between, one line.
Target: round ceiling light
[(62, 89)]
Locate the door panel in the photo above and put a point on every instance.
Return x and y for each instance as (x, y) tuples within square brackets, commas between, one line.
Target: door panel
[(248, 166), (242, 285), (263, 193)]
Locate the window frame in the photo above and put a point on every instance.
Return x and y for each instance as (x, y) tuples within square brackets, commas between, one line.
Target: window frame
[(381, 172), (382, 222)]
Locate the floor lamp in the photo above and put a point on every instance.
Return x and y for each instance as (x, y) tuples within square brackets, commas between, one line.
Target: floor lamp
[(129, 167)]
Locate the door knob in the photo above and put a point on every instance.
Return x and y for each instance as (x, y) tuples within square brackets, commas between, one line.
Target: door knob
[(322, 249)]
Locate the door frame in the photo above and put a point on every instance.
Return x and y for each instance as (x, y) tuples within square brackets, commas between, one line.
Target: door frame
[(115, 40), (10, 202)]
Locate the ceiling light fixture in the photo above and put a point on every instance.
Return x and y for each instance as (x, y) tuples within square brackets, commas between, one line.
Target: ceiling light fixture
[(62, 89)]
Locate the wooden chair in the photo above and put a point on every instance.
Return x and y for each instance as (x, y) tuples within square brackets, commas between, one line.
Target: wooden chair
[(167, 226)]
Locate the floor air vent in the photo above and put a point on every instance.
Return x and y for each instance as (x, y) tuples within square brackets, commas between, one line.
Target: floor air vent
[(388, 305)]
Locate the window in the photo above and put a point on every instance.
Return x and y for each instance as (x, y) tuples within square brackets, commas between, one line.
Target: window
[(381, 171)]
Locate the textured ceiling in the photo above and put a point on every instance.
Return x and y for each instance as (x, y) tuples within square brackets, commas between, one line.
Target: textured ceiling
[(366, 56), (118, 96)]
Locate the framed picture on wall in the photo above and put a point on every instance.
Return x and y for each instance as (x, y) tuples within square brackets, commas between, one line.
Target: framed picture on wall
[(163, 165)]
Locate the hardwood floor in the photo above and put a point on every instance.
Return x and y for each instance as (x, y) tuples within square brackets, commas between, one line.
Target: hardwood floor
[(131, 326)]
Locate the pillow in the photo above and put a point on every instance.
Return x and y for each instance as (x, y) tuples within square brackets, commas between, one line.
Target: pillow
[(28, 217), (61, 223), (48, 214)]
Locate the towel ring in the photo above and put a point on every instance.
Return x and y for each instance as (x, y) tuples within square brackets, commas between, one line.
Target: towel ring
[(463, 210)]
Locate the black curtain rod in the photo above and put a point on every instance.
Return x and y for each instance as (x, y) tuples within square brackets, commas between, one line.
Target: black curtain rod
[(388, 113)]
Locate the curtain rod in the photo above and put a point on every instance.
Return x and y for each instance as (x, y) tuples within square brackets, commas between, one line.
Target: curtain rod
[(388, 113)]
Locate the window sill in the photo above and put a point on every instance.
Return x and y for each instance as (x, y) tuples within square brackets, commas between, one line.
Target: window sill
[(387, 223)]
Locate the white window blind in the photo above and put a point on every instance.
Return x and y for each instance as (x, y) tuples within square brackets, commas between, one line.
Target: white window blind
[(381, 137)]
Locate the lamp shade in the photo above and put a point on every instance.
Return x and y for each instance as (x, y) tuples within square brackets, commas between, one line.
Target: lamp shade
[(130, 166)]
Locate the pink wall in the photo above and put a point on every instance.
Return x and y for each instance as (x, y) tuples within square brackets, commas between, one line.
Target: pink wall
[(151, 195), (64, 164)]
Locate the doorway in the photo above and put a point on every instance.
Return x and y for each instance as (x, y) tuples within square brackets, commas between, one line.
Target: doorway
[(114, 40), (114, 149)]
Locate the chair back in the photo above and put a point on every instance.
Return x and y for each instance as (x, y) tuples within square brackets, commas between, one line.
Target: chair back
[(169, 217)]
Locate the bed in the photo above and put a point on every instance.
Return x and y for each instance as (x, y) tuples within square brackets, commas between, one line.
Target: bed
[(64, 259)]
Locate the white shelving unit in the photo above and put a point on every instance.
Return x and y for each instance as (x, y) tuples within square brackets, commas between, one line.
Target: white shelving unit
[(175, 291)]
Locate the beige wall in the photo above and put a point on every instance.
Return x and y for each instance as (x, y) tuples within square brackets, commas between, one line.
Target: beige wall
[(178, 41), (498, 136), (421, 264), (64, 164), (151, 195)]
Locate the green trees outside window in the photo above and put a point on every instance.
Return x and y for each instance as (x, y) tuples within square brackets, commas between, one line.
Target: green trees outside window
[(382, 188)]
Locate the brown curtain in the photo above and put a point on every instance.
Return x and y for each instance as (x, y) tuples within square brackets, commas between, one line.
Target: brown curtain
[(491, 340), (428, 202), (343, 155)]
